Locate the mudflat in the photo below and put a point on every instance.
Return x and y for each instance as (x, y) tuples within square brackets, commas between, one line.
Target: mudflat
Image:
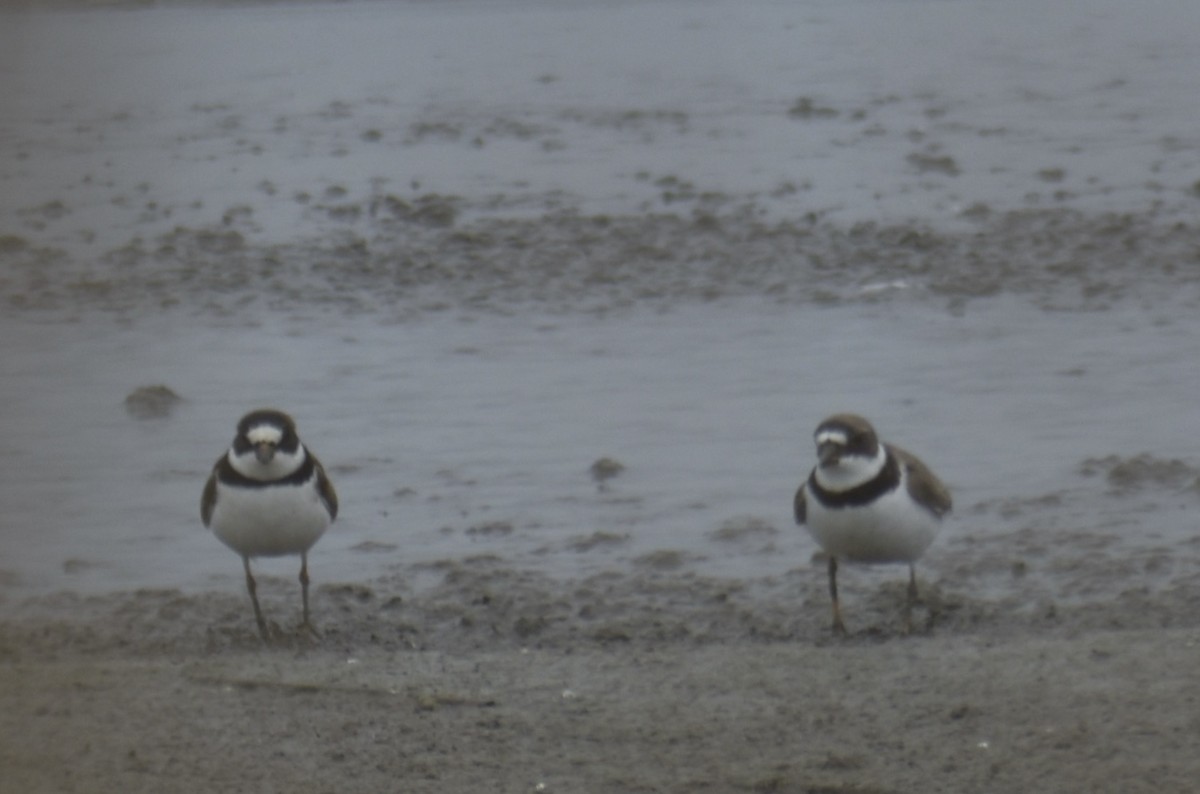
[(501, 681), (474, 272)]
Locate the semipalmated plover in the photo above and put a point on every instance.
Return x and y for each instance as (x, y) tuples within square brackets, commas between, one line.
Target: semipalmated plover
[(869, 502), (268, 496)]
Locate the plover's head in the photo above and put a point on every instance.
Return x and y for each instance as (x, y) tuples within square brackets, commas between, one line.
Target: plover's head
[(845, 440), (266, 445)]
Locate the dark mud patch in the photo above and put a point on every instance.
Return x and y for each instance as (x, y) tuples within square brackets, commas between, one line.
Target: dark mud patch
[(151, 402), (604, 469), (598, 539), (930, 163), (744, 528), (1137, 473), (407, 256)]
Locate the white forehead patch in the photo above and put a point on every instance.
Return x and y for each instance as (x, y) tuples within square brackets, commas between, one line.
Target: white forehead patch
[(831, 437), (265, 433)]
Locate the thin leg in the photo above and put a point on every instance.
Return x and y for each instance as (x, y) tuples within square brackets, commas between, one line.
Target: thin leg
[(305, 624), (911, 600), (253, 589), (838, 626)]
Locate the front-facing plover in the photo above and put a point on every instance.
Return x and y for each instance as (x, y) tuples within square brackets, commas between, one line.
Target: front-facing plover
[(869, 502), (268, 496)]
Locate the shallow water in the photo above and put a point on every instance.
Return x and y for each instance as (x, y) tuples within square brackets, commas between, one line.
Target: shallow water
[(129, 122), (594, 277), (454, 436)]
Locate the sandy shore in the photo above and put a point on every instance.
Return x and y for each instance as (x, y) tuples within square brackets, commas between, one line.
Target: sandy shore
[(500, 681)]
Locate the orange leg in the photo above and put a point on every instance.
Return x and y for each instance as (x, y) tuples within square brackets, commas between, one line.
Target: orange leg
[(911, 599), (838, 626), (304, 592), (253, 589)]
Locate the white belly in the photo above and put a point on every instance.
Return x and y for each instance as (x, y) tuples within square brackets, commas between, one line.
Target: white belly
[(268, 522), (891, 529)]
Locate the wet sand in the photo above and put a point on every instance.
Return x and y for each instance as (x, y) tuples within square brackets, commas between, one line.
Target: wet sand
[(497, 681), (492, 619)]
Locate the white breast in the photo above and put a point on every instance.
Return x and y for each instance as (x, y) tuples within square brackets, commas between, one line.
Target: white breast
[(893, 528), (268, 522)]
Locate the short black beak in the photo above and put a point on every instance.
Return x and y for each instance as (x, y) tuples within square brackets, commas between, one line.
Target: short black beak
[(264, 451), (829, 453)]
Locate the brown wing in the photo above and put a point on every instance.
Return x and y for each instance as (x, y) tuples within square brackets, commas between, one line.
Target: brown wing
[(209, 500), (923, 484), (325, 489), (800, 505)]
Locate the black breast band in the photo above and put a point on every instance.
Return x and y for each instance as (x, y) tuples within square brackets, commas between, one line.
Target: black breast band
[(887, 480), (232, 477)]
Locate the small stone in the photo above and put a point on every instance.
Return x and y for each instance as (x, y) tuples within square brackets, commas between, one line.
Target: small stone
[(151, 402), (605, 469)]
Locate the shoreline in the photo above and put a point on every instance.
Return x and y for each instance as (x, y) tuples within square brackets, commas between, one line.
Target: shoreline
[(140, 691)]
